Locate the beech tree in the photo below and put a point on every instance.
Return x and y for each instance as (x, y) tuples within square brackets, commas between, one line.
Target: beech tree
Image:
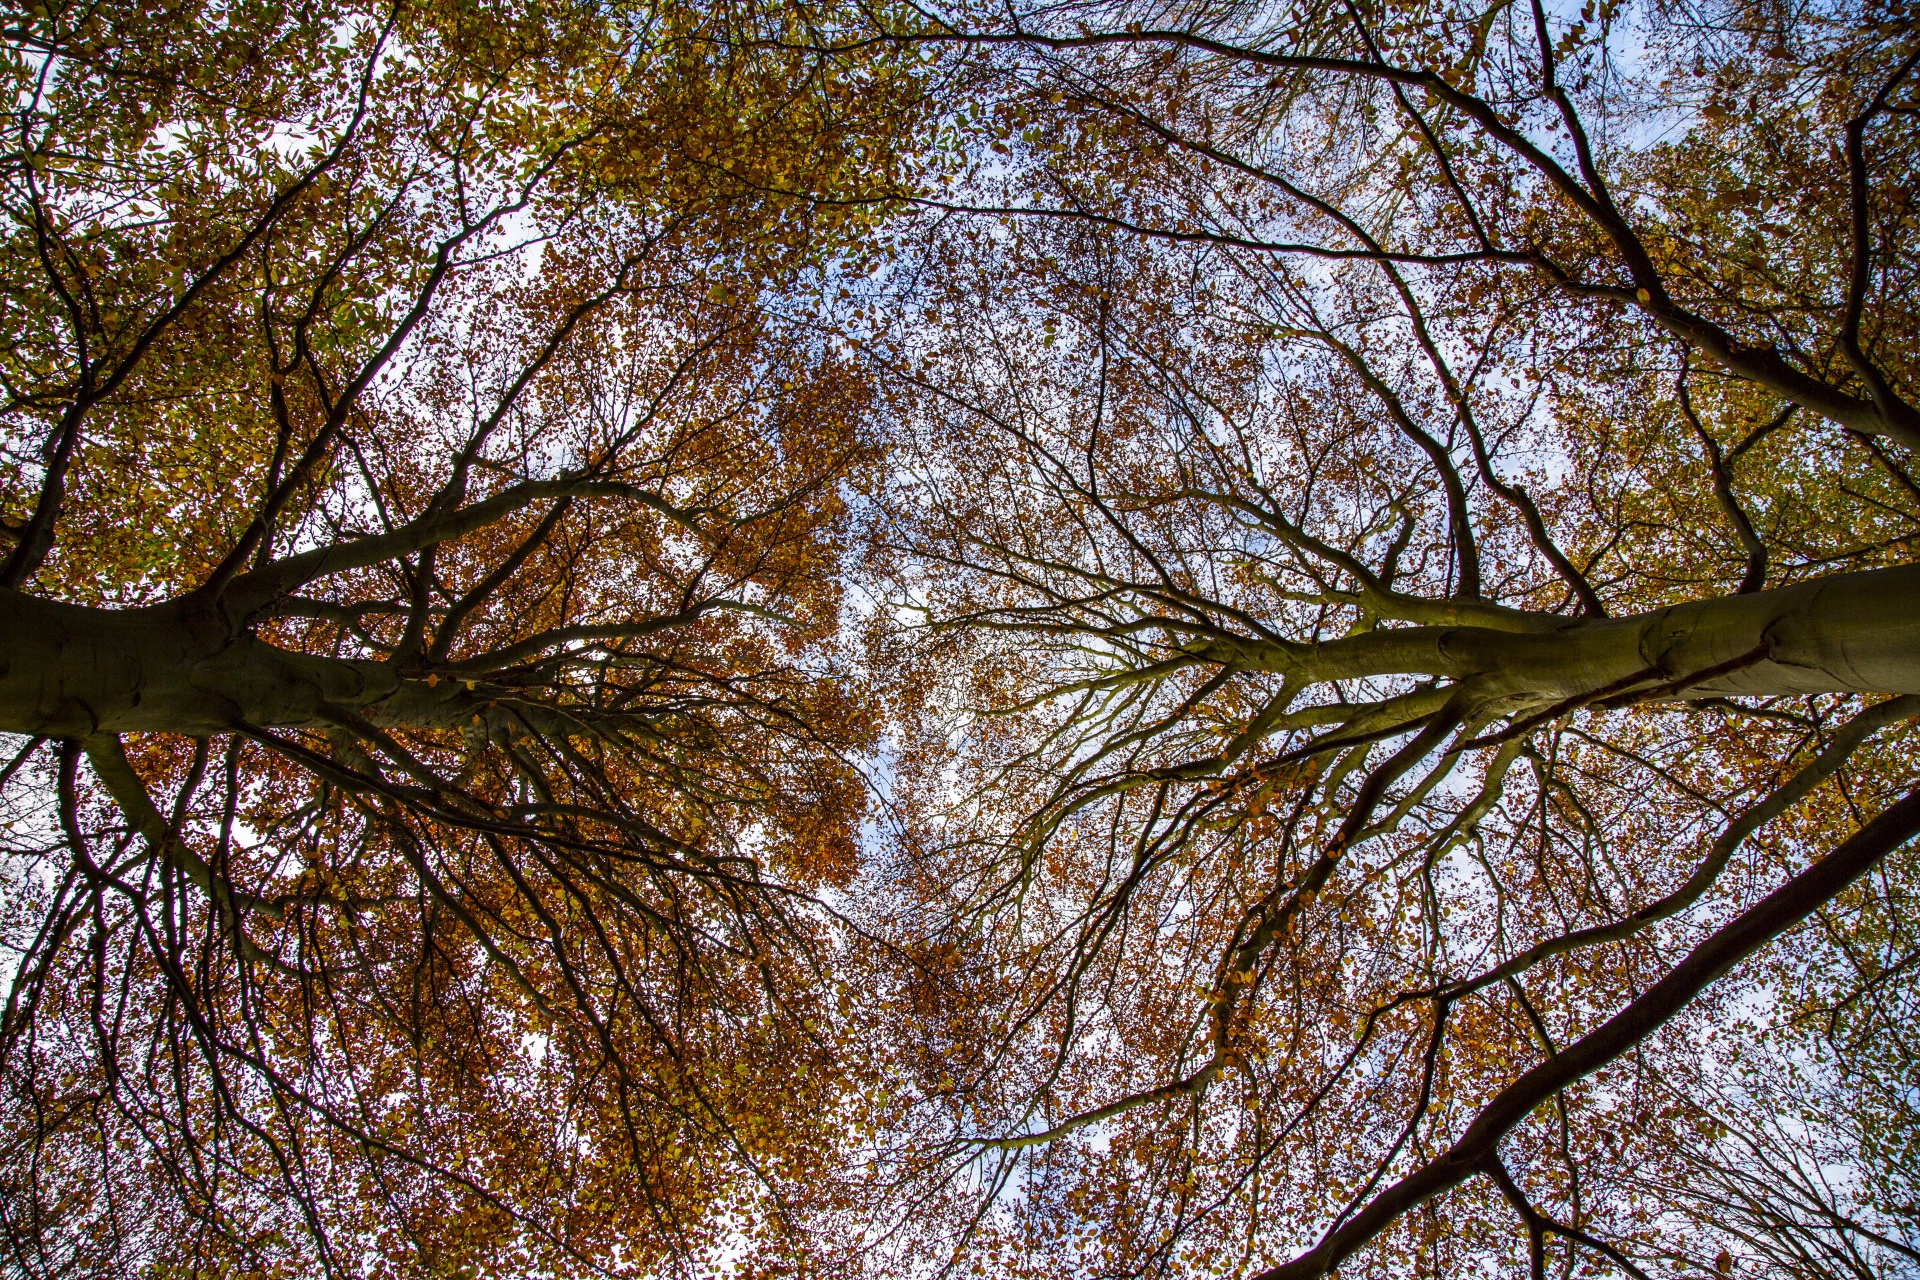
[(423, 474), (1372, 545), (1407, 528)]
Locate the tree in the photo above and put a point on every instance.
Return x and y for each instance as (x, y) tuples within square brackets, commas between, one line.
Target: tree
[(423, 474), (1772, 1179), (1411, 513), (1406, 520)]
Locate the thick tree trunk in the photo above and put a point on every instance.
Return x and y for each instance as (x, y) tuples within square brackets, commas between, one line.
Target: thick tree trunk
[(67, 671), (1854, 632), (71, 671)]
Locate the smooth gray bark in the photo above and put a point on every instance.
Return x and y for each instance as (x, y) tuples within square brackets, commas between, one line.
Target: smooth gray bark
[(1849, 633), (68, 671), (71, 671)]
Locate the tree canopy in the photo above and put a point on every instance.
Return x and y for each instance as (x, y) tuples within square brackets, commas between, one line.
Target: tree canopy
[(690, 638)]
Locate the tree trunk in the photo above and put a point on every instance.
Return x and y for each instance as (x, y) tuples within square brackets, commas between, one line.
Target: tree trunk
[(71, 671), (68, 671), (1849, 633)]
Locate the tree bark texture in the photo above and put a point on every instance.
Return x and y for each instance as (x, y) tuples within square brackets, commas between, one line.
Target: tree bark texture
[(1848, 633), (69, 671)]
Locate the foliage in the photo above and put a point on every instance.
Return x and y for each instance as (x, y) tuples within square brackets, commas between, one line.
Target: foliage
[(1368, 551), (417, 414), (1364, 469)]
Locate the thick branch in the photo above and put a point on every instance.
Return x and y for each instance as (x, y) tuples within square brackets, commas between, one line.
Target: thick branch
[(1855, 632), (1745, 934)]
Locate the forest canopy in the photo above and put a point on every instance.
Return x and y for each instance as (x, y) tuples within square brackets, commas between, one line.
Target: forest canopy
[(692, 637)]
